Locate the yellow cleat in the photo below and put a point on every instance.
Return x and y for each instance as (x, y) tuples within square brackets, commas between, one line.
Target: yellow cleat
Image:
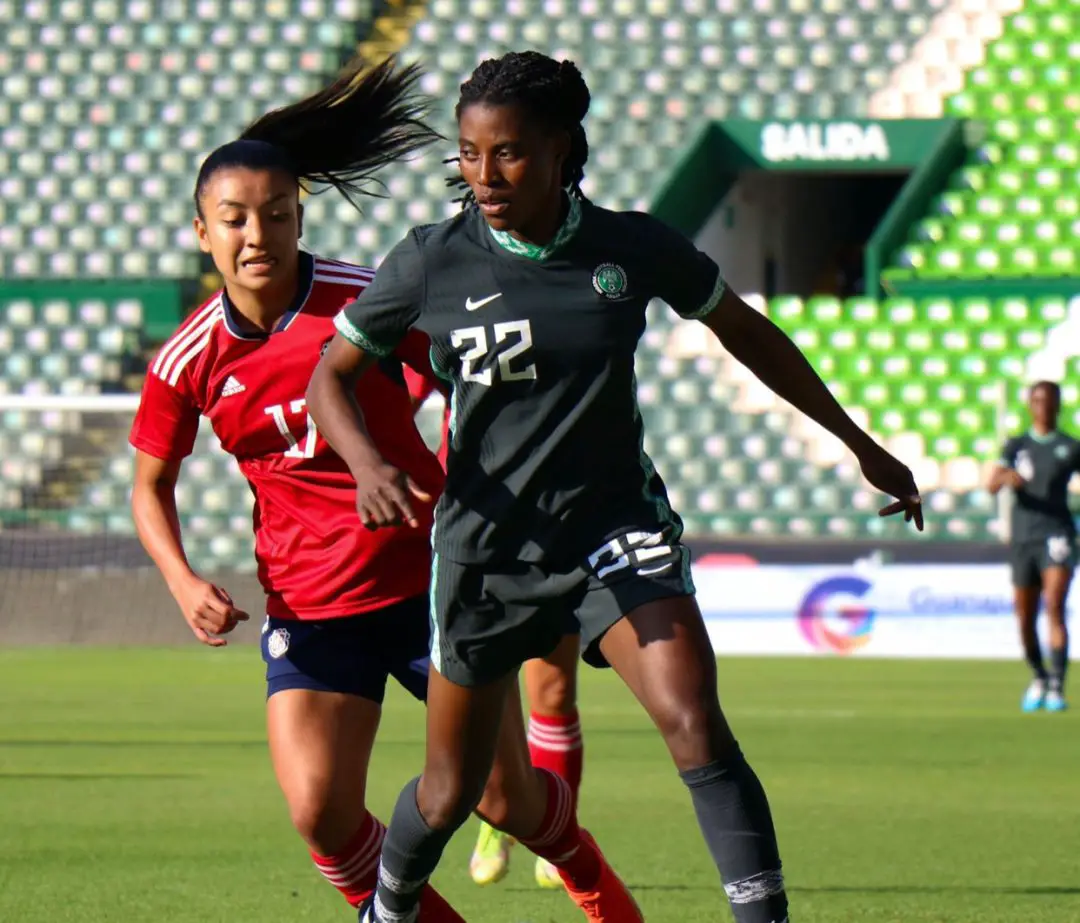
[(491, 856), (547, 876)]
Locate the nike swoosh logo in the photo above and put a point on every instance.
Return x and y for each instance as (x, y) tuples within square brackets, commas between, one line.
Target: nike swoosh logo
[(471, 305), (645, 572)]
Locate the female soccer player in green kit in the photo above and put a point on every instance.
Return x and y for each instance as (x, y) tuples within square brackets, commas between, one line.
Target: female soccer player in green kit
[(554, 520), (1038, 466)]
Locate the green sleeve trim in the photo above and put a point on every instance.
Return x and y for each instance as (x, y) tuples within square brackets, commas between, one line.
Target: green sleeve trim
[(357, 337), (713, 300)]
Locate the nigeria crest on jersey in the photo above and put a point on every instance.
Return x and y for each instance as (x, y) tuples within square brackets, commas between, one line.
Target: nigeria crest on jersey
[(609, 280)]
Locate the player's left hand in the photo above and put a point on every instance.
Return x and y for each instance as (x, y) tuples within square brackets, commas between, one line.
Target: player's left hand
[(891, 476)]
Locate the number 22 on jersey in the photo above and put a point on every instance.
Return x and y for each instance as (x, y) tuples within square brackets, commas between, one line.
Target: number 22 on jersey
[(517, 337), (295, 449)]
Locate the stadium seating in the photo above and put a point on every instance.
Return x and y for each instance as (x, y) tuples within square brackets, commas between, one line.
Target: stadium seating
[(108, 106), (1013, 211), (67, 345)]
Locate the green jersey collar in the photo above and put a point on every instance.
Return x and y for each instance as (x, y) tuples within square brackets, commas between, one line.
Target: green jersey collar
[(534, 251), (1043, 437)]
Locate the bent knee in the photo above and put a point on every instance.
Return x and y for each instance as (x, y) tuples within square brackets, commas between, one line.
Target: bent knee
[(554, 695), (695, 733), (326, 823), (445, 800)]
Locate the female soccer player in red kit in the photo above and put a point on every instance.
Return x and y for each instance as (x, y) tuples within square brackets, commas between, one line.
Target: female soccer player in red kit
[(346, 607), (554, 733)]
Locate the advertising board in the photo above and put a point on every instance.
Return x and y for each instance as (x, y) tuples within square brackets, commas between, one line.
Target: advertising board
[(949, 611)]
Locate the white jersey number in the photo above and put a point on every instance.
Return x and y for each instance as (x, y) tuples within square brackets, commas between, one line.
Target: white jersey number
[(519, 335), (295, 450), (647, 553)]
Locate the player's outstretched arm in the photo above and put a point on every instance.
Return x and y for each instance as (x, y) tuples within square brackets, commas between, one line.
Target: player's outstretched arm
[(382, 491), (768, 352), (208, 610)]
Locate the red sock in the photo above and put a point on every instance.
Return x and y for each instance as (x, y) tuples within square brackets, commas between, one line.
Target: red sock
[(555, 745), (355, 871), (559, 840)]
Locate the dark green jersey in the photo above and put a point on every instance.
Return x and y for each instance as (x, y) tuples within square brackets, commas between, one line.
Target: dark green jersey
[(1046, 463), (546, 458)]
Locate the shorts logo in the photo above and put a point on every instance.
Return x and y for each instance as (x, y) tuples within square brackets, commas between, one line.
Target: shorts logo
[(836, 625), (609, 280), (277, 645), (1059, 548)]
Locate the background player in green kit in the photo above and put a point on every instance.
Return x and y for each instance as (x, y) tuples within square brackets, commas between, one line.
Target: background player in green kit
[(1038, 466), (553, 519)]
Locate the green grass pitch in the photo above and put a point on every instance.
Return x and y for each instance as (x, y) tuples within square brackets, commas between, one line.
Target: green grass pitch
[(135, 787)]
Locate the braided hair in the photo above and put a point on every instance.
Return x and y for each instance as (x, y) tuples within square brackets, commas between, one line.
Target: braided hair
[(338, 137), (551, 90)]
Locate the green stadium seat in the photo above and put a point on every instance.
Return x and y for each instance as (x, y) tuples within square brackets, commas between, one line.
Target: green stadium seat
[(862, 311)]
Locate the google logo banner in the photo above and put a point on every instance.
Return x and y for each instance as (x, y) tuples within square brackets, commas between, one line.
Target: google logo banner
[(831, 622)]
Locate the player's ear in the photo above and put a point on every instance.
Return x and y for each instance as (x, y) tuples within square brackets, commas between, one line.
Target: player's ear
[(201, 234)]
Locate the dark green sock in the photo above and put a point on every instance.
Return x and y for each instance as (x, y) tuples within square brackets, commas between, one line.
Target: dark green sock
[(734, 817), (1059, 666)]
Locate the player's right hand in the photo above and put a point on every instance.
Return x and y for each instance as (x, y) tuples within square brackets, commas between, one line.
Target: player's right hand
[(383, 497), (1012, 479), (208, 610)]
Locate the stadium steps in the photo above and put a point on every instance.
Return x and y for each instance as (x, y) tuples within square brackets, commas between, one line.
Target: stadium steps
[(935, 69)]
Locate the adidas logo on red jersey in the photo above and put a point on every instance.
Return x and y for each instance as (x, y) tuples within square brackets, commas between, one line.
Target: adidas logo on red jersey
[(232, 386)]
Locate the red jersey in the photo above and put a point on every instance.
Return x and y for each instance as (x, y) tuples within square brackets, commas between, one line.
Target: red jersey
[(315, 559), (421, 384)]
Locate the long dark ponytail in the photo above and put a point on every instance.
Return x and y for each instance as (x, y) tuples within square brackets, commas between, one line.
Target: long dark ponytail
[(338, 137)]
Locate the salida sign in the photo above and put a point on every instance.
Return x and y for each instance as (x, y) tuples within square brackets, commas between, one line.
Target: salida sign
[(783, 142)]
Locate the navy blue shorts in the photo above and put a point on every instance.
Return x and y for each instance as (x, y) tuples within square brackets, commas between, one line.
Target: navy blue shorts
[(354, 654)]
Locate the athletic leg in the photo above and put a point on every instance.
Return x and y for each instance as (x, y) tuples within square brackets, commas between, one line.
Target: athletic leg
[(662, 651), (1056, 582), (320, 745), (325, 686), (1026, 560), (555, 742), (554, 725), (462, 731), (1026, 602), (486, 623)]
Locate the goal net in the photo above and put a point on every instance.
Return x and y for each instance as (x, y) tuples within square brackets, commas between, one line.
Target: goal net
[(71, 566)]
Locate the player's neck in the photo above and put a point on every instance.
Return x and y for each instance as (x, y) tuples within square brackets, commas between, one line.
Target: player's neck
[(261, 310), (1042, 430), (542, 230)]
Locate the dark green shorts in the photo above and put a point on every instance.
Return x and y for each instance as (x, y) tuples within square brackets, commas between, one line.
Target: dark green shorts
[(1029, 559), (487, 620)]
